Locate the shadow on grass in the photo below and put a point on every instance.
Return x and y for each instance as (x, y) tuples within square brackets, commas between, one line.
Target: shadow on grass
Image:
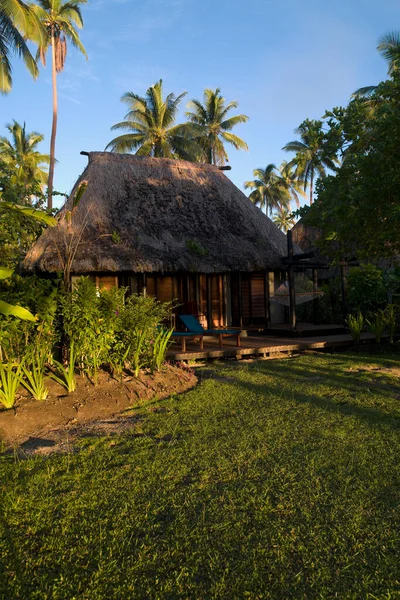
[(294, 377)]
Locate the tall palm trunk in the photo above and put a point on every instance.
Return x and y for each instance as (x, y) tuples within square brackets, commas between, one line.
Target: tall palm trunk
[(54, 125), (311, 185)]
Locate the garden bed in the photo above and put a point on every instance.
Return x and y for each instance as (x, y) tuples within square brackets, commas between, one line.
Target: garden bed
[(50, 425)]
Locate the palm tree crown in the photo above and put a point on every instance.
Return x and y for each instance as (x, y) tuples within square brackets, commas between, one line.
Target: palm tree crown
[(283, 219), (269, 189), (211, 127), (389, 47), (16, 19), (20, 154), (60, 20), (151, 129), (312, 157)]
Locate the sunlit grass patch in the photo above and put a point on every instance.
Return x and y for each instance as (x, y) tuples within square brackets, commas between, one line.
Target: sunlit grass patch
[(274, 479)]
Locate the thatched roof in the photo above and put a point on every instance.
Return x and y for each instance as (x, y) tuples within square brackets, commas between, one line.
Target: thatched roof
[(159, 215)]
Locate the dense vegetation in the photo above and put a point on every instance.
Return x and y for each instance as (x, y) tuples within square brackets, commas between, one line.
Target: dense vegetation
[(278, 479), (89, 328)]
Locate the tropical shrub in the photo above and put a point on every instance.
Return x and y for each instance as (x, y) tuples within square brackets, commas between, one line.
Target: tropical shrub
[(356, 324), (391, 313), (10, 379), (377, 324), (40, 297), (366, 289), (65, 374), (88, 322), (160, 347), (33, 379), (106, 328)]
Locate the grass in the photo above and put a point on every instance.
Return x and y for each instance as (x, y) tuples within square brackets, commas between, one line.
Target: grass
[(276, 479)]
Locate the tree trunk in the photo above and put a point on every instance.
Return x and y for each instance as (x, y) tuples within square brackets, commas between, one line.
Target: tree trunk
[(54, 126), (311, 185)]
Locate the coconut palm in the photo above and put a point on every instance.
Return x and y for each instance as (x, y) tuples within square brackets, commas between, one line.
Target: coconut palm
[(269, 189), (288, 174), (283, 219), (60, 20), (16, 19), (150, 123), (389, 47), (211, 126), (21, 156), (312, 157)]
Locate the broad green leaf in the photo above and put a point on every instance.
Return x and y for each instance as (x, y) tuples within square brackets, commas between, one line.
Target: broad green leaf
[(4, 272), (28, 211), (16, 311)]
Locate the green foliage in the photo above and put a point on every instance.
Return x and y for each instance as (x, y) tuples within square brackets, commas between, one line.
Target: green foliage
[(90, 328), (138, 328), (392, 313), (211, 127), (356, 325), (10, 380), (377, 324), (314, 153), (151, 129), (366, 289), (33, 379), (196, 248), (106, 328), (160, 347), (65, 375), (270, 190), (359, 207), (40, 297), (17, 20)]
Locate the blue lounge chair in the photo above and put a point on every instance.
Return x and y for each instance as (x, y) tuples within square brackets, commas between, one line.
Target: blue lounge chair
[(194, 326), (188, 335)]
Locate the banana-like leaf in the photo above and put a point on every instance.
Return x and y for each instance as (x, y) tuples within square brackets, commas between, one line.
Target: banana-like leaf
[(16, 311), (4, 272), (29, 211)]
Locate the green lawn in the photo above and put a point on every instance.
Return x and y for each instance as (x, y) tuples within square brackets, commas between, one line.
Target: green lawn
[(275, 479)]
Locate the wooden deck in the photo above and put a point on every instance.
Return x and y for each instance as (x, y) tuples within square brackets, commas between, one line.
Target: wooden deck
[(261, 346)]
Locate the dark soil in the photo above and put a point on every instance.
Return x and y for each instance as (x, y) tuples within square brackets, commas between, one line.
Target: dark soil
[(53, 424)]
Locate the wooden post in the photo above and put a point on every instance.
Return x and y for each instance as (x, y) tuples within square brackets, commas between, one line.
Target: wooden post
[(221, 301), (267, 300), (240, 300), (144, 284), (250, 300), (197, 293), (315, 299), (345, 308), (292, 293), (156, 286), (209, 302)]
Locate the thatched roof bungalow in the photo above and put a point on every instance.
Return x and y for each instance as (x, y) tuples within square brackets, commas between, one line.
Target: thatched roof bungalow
[(171, 228)]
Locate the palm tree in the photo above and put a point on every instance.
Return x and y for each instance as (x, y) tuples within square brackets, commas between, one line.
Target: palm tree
[(288, 174), (21, 156), (151, 129), (16, 18), (60, 20), (283, 219), (311, 158), (211, 127), (269, 189), (389, 47)]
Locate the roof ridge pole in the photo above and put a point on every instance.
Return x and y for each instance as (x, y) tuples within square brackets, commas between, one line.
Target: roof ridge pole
[(292, 293)]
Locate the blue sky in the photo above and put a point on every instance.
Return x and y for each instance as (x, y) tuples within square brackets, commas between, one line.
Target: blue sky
[(282, 61)]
